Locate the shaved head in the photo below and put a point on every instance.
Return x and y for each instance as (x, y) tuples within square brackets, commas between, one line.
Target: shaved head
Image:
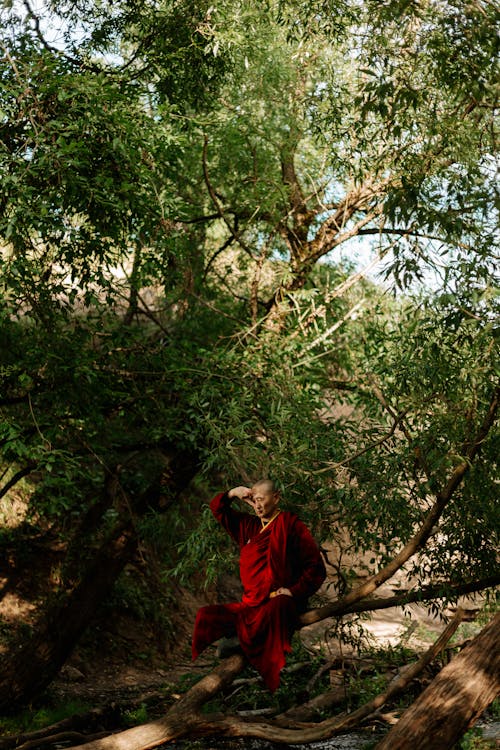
[(265, 497), (267, 485)]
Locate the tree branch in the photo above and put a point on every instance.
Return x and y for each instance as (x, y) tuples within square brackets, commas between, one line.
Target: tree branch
[(423, 533), (17, 477), (54, 50), (330, 466), (410, 233), (217, 204), (216, 254), (427, 593)]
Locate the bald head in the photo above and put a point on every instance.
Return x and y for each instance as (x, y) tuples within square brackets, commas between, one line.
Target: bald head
[(265, 498), (266, 485)]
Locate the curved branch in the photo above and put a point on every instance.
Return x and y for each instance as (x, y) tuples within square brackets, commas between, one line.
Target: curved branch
[(54, 50), (422, 535), (17, 477), (387, 436), (213, 196), (216, 254)]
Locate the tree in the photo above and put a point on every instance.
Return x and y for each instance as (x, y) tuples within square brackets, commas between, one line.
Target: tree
[(455, 699), (225, 342)]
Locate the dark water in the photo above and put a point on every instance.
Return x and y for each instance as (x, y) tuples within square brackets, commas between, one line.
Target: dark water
[(350, 741), (490, 730)]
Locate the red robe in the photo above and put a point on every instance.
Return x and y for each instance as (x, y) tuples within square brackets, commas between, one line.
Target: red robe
[(284, 554)]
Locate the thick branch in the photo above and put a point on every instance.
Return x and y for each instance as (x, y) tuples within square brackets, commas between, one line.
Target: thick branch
[(422, 535), (331, 233), (183, 718), (16, 478)]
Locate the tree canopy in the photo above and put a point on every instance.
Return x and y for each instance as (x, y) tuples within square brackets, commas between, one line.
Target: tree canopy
[(184, 190)]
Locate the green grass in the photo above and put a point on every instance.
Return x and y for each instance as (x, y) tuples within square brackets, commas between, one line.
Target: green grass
[(473, 740), (30, 719)]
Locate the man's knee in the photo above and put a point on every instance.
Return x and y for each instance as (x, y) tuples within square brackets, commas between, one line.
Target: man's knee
[(228, 646)]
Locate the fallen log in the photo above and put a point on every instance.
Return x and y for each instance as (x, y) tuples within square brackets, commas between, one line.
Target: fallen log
[(184, 717), (454, 700)]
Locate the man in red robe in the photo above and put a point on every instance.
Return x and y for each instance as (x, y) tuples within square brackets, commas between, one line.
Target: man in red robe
[(280, 567)]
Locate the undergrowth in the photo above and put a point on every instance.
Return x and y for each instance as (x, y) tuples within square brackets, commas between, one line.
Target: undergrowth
[(29, 719)]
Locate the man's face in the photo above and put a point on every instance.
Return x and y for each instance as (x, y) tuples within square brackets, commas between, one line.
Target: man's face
[(265, 501)]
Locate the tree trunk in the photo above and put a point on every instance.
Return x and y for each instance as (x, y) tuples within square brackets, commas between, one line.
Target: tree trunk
[(185, 718), (33, 664), (31, 668), (455, 698)]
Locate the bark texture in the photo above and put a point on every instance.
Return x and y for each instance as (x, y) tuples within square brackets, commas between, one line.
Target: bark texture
[(455, 698), (185, 719), (32, 665)]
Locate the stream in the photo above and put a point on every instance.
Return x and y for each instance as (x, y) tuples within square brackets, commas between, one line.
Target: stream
[(349, 741), (360, 740)]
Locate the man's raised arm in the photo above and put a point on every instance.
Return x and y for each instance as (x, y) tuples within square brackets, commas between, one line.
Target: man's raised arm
[(231, 520)]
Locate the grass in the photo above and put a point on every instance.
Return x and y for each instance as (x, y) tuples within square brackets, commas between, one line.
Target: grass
[(31, 719)]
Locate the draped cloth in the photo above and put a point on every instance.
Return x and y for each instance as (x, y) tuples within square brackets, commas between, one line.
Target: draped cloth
[(284, 554)]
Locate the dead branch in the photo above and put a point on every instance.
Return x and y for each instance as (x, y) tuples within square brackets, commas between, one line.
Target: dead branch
[(184, 719)]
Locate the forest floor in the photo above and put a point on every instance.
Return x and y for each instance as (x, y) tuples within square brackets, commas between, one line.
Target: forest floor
[(121, 656), (124, 662)]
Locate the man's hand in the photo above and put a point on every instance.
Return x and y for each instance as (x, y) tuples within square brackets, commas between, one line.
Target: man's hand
[(242, 493), (280, 591)]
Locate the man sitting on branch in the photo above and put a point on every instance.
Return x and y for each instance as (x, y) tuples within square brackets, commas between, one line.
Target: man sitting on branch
[(280, 568)]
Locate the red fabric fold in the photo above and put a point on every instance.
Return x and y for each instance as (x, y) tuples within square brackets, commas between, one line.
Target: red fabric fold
[(282, 555)]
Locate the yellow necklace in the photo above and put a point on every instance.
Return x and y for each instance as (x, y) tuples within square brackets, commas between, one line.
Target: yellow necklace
[(265, 523)]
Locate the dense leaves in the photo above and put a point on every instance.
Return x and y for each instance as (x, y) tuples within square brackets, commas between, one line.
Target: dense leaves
[(181, 186)]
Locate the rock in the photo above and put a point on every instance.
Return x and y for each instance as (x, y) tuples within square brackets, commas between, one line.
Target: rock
[(72, 674)]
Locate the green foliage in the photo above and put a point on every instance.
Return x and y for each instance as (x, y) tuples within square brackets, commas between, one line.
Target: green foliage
[(170, 179), (32, 719), (135, 716), (473, 740)]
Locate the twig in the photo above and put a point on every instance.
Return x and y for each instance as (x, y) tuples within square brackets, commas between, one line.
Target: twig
[(217, 204), (333, 466)]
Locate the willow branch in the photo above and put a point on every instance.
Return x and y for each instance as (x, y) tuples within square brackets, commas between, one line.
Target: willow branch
[(422, 535), (213, 196), (425, 594)]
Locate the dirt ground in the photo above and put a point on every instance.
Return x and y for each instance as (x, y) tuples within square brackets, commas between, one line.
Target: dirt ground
[(122, 657)]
